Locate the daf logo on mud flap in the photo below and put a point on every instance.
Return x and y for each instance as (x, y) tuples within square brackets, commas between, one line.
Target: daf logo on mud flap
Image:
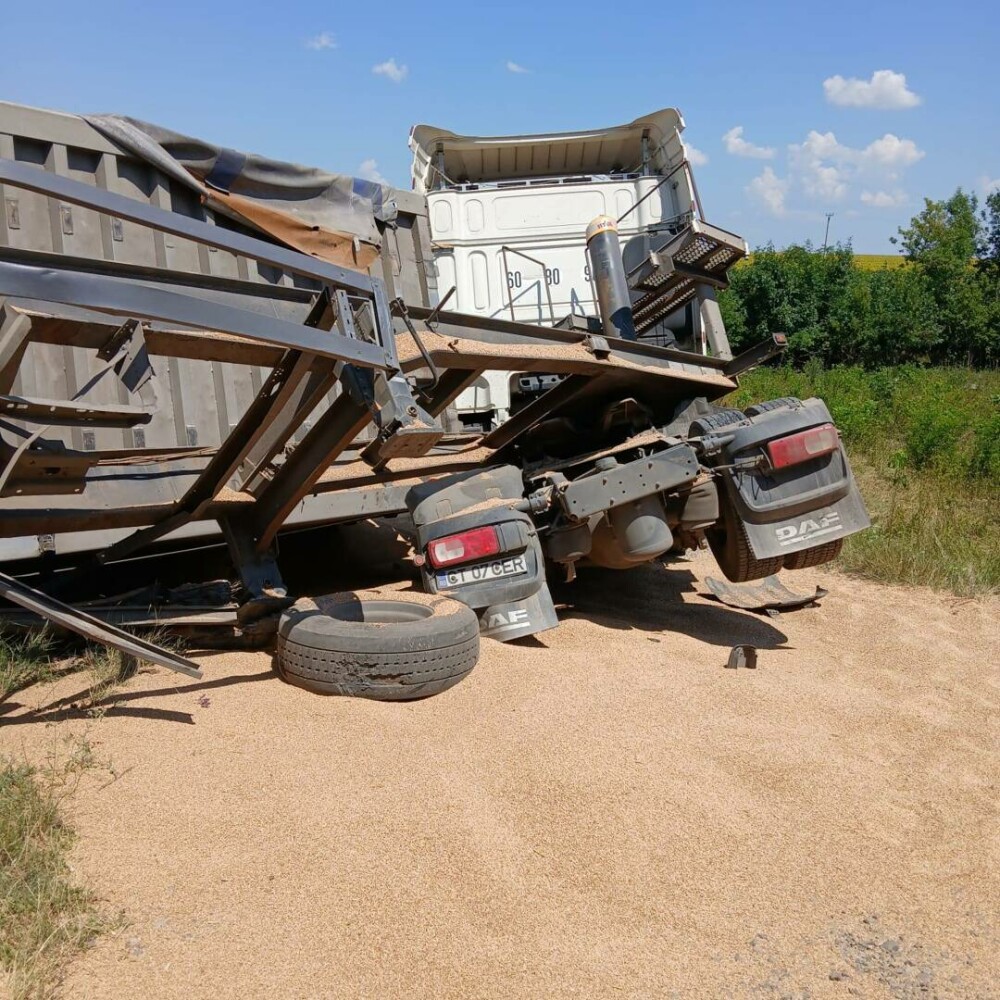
[(808, 528), (500, 620)]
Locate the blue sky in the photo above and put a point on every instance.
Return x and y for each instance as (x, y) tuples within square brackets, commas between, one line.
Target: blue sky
[(781, 99)]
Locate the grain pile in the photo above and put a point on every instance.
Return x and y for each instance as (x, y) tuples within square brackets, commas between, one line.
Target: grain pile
[(603, 811)]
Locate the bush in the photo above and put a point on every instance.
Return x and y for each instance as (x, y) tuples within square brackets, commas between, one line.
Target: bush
[(939, 305)]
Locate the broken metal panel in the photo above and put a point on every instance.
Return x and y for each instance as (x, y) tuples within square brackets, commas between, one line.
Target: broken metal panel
[(769, 593)]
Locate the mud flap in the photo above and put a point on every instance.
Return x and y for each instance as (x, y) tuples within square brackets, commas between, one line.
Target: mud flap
[(800, 506), (504, 622), (807, 530)]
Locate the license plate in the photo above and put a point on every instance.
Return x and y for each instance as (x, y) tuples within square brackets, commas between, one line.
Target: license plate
[(496, 568)]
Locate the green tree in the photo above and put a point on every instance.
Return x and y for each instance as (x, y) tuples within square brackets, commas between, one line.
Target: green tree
[(988, 268), (797, 291), (942, 241), (894, 319)]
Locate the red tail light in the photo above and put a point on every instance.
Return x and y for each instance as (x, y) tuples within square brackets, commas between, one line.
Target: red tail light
[(463, 547), (803, 446)]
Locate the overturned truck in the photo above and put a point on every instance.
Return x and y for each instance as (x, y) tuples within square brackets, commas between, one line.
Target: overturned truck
[(196, 341)]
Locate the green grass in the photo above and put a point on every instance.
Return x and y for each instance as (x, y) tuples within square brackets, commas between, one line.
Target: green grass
[(925, 444), (34, 657), (25, 659), (45, 917)]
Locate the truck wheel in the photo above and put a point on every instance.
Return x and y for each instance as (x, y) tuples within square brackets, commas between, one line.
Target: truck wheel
[(391, 647), (784, 403), (815, 556), (710, 422), (731, 548)]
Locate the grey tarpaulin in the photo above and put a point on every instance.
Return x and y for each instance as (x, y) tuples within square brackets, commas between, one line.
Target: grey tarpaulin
[(333, 202)]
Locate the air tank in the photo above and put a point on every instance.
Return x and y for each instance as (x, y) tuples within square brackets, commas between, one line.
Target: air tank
[(608, 270)]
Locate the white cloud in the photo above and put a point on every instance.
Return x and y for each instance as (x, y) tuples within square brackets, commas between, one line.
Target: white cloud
[(370, 172), (390, 69), (884, 199), (820, 165), (513, 67), (824, 167), (988, 185), (324, 40), (738, 146), (769, 190), (892, 152), (886, 91), (696, 157)]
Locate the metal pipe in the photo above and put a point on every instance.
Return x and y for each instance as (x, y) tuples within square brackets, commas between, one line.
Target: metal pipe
[(606, 265)]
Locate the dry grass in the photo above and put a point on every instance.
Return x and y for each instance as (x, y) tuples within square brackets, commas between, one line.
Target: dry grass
[(45, 917), (26, 659), (35, 657), (926, 531)]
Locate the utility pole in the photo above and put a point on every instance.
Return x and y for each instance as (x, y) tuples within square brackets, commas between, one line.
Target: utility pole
[(826, 235)]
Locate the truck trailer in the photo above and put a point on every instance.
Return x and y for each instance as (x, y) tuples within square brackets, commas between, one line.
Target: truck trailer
[(197, 341)]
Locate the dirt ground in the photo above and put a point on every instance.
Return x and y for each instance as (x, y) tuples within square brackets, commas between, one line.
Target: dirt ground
[(601, 811)]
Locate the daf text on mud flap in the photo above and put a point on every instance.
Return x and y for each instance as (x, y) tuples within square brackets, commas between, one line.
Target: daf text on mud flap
[(808, 528), (500, 621)]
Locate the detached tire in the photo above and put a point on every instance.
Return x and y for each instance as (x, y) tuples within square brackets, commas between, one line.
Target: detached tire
[(390, 647)]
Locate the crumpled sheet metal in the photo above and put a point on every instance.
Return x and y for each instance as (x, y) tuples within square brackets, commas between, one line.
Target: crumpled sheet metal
[(331, 216), (763, 595)]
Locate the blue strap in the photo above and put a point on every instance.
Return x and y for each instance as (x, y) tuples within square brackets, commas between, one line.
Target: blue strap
[(228, 166)]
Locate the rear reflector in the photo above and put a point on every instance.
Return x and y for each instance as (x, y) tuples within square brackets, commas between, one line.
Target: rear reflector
[(463, 547), (803, 446)]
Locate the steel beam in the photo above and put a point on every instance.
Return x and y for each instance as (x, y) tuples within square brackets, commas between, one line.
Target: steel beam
[(161, 275), (277, 497), (15, 335), (65, 413), (534, 412), (122, 297), (513, 335)]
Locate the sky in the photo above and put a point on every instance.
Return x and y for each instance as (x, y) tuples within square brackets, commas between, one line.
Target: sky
[(793, 110)]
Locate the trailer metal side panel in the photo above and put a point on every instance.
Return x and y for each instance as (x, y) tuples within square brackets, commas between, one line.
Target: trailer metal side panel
[(199, 402)]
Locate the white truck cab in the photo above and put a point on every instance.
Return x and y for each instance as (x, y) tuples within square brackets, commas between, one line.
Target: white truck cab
[(508, 216)]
